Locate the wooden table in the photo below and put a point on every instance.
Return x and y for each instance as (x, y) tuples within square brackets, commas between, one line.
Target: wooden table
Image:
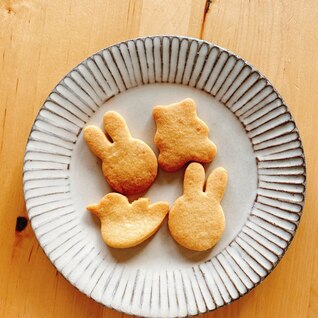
[(41, 40)]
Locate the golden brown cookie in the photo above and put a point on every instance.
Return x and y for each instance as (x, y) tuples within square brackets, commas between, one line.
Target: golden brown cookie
[(181, 136), (124, 224), (196, 220), (129, 164)]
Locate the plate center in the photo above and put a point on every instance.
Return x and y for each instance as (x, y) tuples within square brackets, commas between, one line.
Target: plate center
[(235, 154)]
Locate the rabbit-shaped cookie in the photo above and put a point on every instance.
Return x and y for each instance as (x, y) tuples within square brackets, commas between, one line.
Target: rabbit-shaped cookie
[(181, 136), (129, 164), (124, 224), (196, 220)]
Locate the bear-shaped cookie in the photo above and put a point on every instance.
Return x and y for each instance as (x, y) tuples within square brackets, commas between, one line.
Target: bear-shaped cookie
[(181, 136), (196, 220), (126, 225), (128, 164)]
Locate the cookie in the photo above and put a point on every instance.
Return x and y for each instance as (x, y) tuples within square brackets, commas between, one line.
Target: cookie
[(196, 220), (125, 225), (129, 165), (181, 136)]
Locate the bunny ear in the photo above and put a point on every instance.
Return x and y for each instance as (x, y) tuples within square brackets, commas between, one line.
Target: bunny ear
[(194, 178), (159, 113), (216, 183), (189, 104), (96, 141), (116, 126)]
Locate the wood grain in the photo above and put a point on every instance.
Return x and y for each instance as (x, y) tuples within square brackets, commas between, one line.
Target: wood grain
[(40, 41)]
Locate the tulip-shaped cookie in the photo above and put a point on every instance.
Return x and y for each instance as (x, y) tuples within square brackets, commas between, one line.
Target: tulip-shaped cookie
[(181, 136), (124, 224), (129, 164), (196, 220)]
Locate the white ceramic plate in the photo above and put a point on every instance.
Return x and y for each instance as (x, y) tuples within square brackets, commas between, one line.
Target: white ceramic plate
[(258, 143)]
